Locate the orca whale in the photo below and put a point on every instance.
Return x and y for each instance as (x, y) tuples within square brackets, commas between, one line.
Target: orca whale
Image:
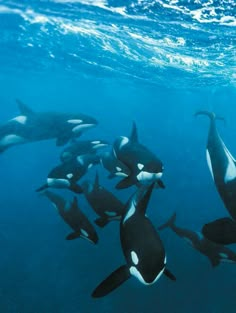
[(32, 126), (222, 165), (221, 231), (67, 174), (74, 217), (114, 166), (216, 253), (103, 202), (142, 247), (144, 166), (77, 148)]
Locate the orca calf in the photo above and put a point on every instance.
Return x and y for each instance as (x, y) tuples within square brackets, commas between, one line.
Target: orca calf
[(145, 168), (222, 165), (142, 247), (77, 148), (32, 126), (114, 166), (74, 217), (221, 231), (216, 253), (68, 173), (103, 202)]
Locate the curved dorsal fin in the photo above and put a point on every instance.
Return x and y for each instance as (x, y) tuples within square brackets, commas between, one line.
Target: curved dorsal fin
[(134, 133), (24, 109)]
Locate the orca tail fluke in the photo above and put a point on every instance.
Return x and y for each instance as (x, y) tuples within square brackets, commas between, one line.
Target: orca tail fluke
[(211, 115), (113, 281), (42, 188), (169, 223)]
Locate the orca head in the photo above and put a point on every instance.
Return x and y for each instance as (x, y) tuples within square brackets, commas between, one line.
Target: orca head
[(146, 273), (150, 172), (81, 123), (90, 236), (97, 144), (58, 182)]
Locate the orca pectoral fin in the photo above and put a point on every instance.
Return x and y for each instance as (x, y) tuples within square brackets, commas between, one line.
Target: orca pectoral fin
[(42, 188), (160, 184), (169, 274), (76, 188), (215, 261), (125, 183), (73, 236), (61, 141), (113, 281), (101, 221)]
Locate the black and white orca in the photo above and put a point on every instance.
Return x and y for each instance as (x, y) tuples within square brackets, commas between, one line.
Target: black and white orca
[(103, 202), (114, 166), (142, 247), (32, 126), (222, 166), (74, 217), (216, 253), (221, 231), (67, 174), (77, 148), (145, 168)]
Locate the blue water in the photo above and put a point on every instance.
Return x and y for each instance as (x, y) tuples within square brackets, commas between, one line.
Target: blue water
[(155, 62)]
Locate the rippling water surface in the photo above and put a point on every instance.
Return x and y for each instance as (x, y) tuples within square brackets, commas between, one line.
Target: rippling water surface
[(153, 41)]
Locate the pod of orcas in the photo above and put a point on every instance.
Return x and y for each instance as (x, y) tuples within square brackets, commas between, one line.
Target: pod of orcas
[(136, 166)]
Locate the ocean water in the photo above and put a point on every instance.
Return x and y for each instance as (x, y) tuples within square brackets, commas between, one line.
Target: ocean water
[(153, 62)]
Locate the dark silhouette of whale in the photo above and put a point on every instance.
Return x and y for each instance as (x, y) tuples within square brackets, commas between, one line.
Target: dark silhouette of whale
[(216, 253), (145, 168), (142, 247), (221, 231), (222, 165), (74, 217), (77, 148), (103, 202), (67, 174), (32, 126)]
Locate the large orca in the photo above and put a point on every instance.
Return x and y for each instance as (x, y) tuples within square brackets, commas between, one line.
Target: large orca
[(216, 253), (74, 217), (67, 174), (32, 126), (142, 247), (114, 166), (77, 148), (103, 202), (144, 166), (221, 231), (222, 166)]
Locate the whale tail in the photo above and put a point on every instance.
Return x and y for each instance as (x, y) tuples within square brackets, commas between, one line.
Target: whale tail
[(211, 115), (169, 223)]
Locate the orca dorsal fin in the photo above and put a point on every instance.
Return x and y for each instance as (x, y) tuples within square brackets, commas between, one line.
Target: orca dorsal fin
[(142, 198), (113, 281), (23, 108), (134, 133)]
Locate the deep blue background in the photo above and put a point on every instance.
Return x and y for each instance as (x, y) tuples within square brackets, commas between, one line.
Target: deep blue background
[(40, 271)]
